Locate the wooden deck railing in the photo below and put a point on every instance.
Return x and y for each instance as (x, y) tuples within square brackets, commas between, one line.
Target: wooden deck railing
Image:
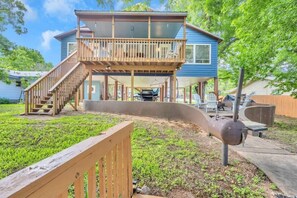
[(100, 166), (131, 49), (67, 86), (39, 89)]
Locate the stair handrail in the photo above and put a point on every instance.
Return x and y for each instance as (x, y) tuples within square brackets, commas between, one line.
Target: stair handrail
[(53, 89), (50, 71)]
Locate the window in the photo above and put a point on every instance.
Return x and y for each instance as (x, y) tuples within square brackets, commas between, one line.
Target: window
[(202, 54), (71, 47), (189, 53), (198, 54)]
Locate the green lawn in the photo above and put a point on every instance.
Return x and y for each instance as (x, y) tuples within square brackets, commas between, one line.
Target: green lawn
[(285, 132), (167, 156)]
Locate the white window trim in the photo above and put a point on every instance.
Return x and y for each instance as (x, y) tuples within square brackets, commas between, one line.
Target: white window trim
[(194, 54), (68, 43)]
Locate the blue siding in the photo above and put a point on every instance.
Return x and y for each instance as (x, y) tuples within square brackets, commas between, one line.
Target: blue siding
[(96, 95), (187, 70), (64, 41), (200, 70)]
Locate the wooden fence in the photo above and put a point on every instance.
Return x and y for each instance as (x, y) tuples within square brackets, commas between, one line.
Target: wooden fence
[(285, 105), (97, 167)]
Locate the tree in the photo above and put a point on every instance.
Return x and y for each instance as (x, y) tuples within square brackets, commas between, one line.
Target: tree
[(12, 13), (259, 36), (268, 42), (22, 59)]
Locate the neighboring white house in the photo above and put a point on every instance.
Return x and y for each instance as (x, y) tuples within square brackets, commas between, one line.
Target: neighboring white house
[(260, 87), (14, 90)]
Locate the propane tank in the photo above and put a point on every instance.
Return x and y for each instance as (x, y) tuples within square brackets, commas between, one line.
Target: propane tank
[(228, 131)]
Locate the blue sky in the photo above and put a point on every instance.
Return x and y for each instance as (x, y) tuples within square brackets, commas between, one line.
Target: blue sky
[(47, 18)]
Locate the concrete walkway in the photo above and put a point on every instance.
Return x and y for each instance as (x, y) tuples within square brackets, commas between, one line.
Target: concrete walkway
[(278, 164)]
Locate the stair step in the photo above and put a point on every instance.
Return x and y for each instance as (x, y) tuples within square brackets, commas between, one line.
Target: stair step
[(50, 94), (39, 105), (46, 110), (47, 97), (50, 106), (40, 113)]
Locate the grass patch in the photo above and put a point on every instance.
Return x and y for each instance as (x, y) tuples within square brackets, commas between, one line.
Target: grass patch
[(166, 156), (285, 132), (26, 141)]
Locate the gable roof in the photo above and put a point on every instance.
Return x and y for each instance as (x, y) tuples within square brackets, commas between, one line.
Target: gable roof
[(219, 39), (73, 31)]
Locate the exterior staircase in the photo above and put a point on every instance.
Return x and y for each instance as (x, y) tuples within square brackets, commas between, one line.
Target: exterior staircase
[(50, 93)]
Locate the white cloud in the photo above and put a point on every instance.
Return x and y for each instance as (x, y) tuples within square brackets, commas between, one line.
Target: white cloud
[(60, 8), (47, 37), (31, 13)]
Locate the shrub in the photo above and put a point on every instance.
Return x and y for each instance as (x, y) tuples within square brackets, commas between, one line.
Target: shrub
[(4, 101)]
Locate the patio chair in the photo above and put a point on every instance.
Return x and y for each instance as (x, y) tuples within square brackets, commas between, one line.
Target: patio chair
[(174, 53), (247, 100), (199, 103), (211, 102)]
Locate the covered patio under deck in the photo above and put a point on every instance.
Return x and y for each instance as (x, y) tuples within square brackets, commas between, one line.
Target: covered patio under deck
[(120, 87)]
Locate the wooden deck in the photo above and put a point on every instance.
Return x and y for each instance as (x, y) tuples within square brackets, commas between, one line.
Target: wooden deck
[(132, 52)]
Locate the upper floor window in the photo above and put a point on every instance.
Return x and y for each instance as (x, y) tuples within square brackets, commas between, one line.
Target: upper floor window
[(71, 47), (199, 54)]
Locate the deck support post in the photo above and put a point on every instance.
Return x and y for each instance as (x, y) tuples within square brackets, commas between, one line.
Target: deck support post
[(200, 89), (90, 85), (174, 87), (126, 93), (122, 92), (190, 94), (115, 93), (105, 87), (185, 97), (82, 91), (170, 88), (166, 90), (163, 92), (216, 87), (185, 28), (76, 99), (112, 35), (132, 85), (149, 36), (26, 103), (78, 35)]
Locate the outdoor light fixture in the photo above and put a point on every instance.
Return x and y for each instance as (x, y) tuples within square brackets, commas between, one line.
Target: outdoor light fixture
[(108, 67)]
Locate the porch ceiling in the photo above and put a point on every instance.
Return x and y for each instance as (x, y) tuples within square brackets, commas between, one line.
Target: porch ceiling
[(157, 81), (134, 29)]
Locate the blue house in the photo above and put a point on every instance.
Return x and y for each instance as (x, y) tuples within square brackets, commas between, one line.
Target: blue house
[(112, 55), (201, 53), (14, 90)]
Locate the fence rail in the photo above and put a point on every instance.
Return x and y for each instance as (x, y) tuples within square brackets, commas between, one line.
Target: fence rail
[(131, 49), (285, 105), (100, 166)]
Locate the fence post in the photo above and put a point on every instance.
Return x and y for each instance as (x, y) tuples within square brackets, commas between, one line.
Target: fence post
[(26, 103), (54, 103)]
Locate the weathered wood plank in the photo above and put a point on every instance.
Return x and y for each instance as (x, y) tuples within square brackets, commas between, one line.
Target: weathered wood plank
[(92, 182), (63, 167)]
